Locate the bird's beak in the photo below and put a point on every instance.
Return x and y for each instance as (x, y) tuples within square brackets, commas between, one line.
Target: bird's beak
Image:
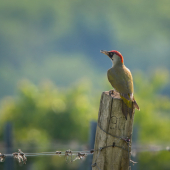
[(105, 52)]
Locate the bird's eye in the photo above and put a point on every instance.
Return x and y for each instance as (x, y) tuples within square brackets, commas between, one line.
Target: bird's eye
[(111, 55)]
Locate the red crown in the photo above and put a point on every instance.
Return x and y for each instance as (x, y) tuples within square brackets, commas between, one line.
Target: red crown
[(118, 53)]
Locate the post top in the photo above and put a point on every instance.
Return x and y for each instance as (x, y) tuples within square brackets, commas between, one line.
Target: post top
[(114, 95)]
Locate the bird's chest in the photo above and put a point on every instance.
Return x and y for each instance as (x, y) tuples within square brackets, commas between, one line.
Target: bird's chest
[(116, 75), (119, 80)]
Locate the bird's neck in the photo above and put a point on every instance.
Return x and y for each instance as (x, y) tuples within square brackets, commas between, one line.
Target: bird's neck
[(116, 64)]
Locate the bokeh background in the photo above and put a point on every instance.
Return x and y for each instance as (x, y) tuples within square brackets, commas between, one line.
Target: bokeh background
[(52, 74)]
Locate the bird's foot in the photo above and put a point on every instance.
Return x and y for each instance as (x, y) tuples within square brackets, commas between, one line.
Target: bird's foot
[(111, 92)]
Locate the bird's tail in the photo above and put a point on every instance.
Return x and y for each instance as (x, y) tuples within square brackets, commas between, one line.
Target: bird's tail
[(127, 110), (135, 105), (128, 105)]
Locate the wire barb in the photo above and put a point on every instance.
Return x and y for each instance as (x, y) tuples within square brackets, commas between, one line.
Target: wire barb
[(92, 151), (67, 154), (58, 152), (93, 165), (133, 162), (127, 140), (80, 155), (2, 157), (20, 156)]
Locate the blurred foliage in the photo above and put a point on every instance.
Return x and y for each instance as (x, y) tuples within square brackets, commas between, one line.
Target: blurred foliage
[(44, 114), (153, 161), (59, 40), (153, 118)]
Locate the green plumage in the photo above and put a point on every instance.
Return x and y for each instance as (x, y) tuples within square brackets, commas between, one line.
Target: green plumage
[(121, 80)]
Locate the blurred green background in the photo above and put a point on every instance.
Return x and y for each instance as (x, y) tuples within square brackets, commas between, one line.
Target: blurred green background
[(52, 73)]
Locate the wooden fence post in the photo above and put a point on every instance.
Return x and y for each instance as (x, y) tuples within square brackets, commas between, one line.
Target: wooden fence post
[(113, 135)]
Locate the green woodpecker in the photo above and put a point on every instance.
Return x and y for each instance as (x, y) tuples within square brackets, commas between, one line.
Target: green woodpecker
[(121, 80)]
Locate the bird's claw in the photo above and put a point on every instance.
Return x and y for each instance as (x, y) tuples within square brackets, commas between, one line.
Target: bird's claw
[(111, 92)]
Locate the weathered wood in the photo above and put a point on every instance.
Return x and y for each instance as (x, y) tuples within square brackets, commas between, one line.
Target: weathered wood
[(112, 121)]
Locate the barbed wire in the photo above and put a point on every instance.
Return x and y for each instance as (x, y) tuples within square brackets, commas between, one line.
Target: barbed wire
[(75, 155), (138, 148), (22, 157)]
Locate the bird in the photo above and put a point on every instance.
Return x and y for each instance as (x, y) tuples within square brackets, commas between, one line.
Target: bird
[(121, 80)]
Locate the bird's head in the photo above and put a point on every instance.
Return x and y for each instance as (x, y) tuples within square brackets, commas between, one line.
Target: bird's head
[(115, 56)]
